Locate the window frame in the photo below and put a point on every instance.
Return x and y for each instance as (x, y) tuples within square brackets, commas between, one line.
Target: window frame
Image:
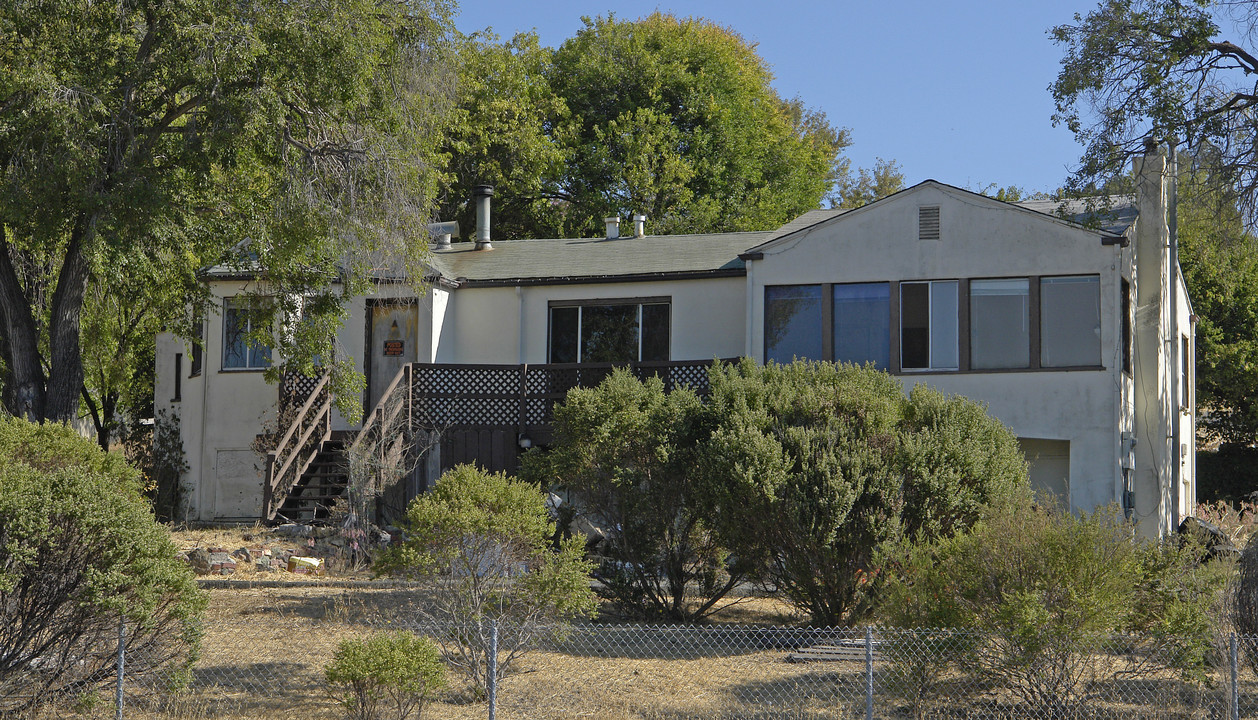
[(1031, 320), (961, 307), (1100, 312), (240, 304), (579, 304)]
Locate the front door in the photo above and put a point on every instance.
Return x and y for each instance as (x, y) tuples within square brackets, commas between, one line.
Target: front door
[(392, 336)]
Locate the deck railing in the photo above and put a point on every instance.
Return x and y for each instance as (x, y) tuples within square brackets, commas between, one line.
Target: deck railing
[(433, 398), (311, 427)]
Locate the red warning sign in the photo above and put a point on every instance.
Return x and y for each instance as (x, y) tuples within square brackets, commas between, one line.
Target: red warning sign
[(393, 348)]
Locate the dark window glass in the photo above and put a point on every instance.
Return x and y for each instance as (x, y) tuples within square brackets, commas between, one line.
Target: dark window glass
[(197, 347), (609, 333), (792, 323), (1070, 321), (862, 317), (1000, 316), (655, 332), (178, 378), (1185, 378), (564, 331), (1126, 300), (239, 352), (915, 326)]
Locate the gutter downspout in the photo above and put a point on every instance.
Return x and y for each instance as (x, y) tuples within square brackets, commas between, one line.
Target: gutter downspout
[(750, 332)]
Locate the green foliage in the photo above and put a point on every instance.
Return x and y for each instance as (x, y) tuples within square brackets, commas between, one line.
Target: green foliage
[(1160, 70), (389, 675), (483, 541), (885, 178), (1219, 259), (80, 551), (676, 118), (1228, 473), (627, 453), (501, 135), (141, 143), (828, 463), (1048, 592)]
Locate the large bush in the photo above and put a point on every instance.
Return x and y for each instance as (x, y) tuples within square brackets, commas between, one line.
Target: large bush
[(483, 541), (798, 473), (80, 552), (824, 464), (1050, 594), (627, 452)]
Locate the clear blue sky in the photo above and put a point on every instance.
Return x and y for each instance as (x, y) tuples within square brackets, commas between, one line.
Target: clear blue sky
[(954, 90)]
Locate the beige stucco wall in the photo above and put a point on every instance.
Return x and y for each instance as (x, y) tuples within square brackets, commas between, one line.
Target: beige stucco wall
[(981, 238), (511, 325)]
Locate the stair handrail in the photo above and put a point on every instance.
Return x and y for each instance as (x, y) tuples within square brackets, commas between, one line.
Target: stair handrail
[(277, 482), (375, 417)]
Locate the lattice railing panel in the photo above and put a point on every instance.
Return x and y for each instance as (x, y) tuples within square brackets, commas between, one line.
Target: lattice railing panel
[(504, 395)]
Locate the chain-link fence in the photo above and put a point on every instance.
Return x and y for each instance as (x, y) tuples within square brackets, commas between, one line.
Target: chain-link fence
[(275, 669)]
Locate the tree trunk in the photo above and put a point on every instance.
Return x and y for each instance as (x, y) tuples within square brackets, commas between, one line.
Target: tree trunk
[(66, 377), (24, 392)]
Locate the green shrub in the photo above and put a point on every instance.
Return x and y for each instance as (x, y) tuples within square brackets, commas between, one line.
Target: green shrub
[(1050, 593), (484, 542), (626, 451), (824, 464), (393, 673), (79, 553)]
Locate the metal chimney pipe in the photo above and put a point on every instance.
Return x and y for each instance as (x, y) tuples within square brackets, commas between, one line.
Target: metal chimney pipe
[(613, 227), (639, 226), (481, 194)]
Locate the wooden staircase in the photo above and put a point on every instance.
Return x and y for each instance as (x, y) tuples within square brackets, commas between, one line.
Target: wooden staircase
[(320, 485)]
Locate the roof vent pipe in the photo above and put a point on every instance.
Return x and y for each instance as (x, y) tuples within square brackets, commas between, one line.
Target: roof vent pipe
[(481, 194), (613, 226), (442, 231), (639, 226)]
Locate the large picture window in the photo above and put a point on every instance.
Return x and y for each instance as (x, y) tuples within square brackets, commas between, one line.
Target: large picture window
[(1000, 324), (862, 319), (610, 332), (239, 351), (1070, 321), (928, 325), (792, 323)]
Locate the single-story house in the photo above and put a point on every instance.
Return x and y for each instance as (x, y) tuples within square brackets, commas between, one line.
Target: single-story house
[(1073, 327)]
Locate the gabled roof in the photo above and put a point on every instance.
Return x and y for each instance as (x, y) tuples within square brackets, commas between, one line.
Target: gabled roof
[(536, 262), (1111, 216)]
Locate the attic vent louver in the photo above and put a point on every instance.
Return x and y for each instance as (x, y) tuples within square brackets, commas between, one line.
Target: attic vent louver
[(928, 222)]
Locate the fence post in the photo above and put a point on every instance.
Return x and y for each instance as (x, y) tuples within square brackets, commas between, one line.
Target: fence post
[(869, 673), (122, 653), (492, 667), (1235, 695)]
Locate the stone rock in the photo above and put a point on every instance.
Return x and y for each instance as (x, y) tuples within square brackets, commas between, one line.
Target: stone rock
[(292, 530), (199, 559), (325, 531), (1210, 536)]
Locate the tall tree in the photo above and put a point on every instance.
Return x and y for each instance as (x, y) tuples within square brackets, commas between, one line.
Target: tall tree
[(1219, 258), (502, 135), (676, 118), (1161, 70), (886, 177), (173, 130)]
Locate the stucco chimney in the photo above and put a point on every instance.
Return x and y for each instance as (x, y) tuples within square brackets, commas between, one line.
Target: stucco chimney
[(639, 226), (1154, 356), (613, 227), (481, 194)]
